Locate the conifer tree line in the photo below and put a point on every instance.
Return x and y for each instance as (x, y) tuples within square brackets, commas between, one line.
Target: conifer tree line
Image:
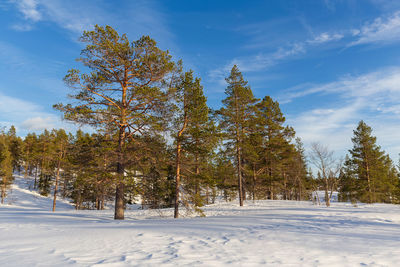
[(156, 142)]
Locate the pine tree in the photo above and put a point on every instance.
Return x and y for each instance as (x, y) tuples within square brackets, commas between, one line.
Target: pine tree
[(224, 171), (60, 144), (15, 147), (124, 91), (5, 167), (45, 156), (299, 171), (369, 174), (235, 116), (29, 148), (191, 124), (270, 152)]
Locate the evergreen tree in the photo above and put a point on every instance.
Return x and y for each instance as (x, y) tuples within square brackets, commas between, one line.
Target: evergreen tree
[(369, 174), (124, 91), (275, 142), (29, 150), (235, 117), (225, 175), (299, 172), (60, 144), (90, 169), (15, 147), (191, 122), (45, 157), (5, 167)]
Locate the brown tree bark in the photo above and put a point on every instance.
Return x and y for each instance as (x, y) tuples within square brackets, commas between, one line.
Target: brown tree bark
[(178, 166), (119, 192), (56, 184)]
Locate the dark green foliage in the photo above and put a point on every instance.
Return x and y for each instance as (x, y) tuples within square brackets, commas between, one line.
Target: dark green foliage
[(225, 177), (44, 184), (195, 140), (45, 156), (157, 190), (6, 177), (15, 147), (90, 169), (29, 154), (125, 91), (369, 174), (236, 117)]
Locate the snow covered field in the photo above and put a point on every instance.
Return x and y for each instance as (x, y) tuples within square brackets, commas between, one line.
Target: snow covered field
[(272, 233)]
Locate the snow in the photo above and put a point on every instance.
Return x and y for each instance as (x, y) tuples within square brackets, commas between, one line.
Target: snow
[(272, 233)]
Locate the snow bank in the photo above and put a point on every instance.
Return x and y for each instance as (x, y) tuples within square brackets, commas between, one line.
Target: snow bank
[(271, 233)]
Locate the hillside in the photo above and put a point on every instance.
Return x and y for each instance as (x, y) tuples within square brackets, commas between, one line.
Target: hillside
[(274, 233)]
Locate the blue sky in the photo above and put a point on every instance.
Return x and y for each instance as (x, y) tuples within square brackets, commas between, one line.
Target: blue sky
[(330, 63)]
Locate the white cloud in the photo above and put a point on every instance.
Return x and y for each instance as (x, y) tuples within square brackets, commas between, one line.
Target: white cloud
[(29, 9), (325, 37), (135, 17), (382, 85), (71, 15), (23, 27), (372, 97), (264, 61), (27, 116), (38, 123), (381, 30), (257, 62)]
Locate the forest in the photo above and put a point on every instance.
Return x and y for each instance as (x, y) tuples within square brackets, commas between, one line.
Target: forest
[(155, 142)]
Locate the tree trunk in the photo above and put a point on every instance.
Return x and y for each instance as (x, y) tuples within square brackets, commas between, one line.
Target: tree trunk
[(239, 172), (177, 177), (299, 184), (119, 192), (197, 172), (102, 202), (327, 199), (56, 184), (285, 195), (254, 183), (78, 200), (26, 170), (36, 174), (207, 194), (369, 183), (178, 162), (3, 192)]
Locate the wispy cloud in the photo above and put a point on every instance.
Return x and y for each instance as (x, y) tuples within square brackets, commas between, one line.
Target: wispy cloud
[(67, 14), (257, 62), (263, 61), (372, 97), (25, 115), (382, 84), (38, 123), (382, 30), (325, 37), (28, 116), (29, 9), (137, 17)]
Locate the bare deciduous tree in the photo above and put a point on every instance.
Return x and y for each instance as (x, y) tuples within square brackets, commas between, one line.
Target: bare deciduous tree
[(328, 166)]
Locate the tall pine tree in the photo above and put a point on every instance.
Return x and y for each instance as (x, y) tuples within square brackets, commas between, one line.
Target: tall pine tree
[(369, 174), (191, 124), (235, 119), (124, 90)]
